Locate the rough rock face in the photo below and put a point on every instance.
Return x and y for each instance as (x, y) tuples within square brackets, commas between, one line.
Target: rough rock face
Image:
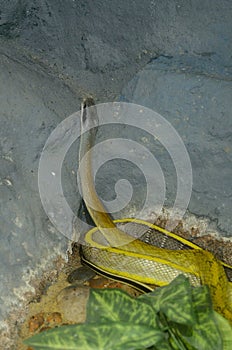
[(95, 42), (194, 95), (31, 106), (53, 53)]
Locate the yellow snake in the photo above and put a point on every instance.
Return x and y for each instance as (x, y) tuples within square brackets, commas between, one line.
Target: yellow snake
[(114, 253)]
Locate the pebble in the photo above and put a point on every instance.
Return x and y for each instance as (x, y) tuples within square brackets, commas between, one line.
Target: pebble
[(42, 321), (54, 318), (80, 275), (72, 303), (35, 322)]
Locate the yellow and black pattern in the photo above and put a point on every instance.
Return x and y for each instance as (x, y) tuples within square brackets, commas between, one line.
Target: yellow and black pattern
[(175, 255)]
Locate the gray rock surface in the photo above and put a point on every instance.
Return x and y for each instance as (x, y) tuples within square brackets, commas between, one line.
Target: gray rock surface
[(52, 53), (194, 95), (31, 106)]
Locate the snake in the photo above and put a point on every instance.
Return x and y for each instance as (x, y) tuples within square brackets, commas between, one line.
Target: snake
[(114, 253)]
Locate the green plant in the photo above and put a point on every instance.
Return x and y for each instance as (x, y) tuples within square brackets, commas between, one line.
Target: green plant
[(174, 317)]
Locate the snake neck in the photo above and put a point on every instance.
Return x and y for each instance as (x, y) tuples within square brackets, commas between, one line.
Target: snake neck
[(89, 125)]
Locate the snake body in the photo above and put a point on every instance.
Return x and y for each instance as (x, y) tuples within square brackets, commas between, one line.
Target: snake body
[(126, 253)]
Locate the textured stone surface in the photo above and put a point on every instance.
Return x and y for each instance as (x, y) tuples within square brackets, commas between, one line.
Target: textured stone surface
[(72, 303), (194, 95), (101, 44), (31, 106)]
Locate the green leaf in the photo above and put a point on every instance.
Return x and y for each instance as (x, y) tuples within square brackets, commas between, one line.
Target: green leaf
[(117, 306), (205, 332), (173, 300), (225, 330), (163, 344), (186, 314), (113, 336)]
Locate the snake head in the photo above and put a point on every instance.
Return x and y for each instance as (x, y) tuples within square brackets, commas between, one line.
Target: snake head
[(89, 117)]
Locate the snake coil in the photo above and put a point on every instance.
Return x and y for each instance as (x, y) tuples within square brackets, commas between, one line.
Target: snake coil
[(155, 259)]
